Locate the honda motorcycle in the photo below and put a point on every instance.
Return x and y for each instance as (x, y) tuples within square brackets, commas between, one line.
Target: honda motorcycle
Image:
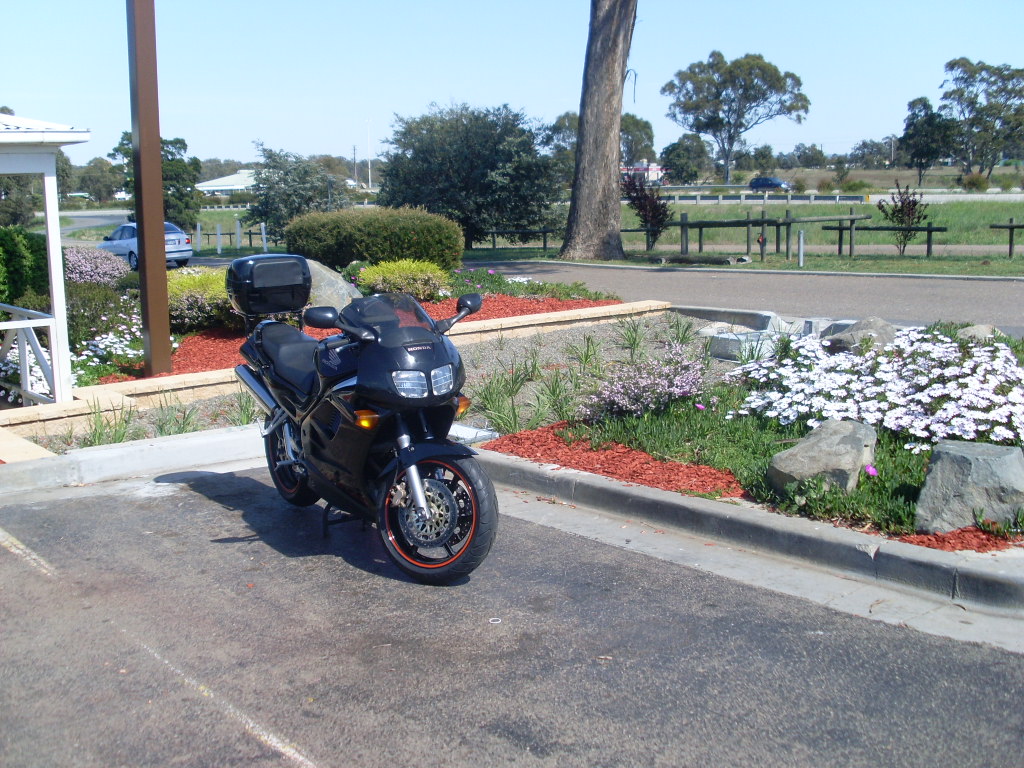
[(361, 418)]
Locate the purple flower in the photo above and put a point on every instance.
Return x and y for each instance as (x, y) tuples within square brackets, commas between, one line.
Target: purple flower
[(870, 470), (490, 271), (698, 406)]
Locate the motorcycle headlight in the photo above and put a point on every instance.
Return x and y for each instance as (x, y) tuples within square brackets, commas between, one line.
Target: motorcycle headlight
[(442, 379), (410, 383)]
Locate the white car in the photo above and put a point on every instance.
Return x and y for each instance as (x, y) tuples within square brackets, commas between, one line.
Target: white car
[(124, 242)]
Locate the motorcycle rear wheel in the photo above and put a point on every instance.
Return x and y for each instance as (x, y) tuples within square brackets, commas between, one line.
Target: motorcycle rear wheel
[(290, 483), (459, 530)]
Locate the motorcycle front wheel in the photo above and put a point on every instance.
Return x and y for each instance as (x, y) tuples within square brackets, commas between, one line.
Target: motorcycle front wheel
[(455, 535), (291, 482)]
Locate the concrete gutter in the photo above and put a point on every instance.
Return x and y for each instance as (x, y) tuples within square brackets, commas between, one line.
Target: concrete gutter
[(994, 580), (985, 580)]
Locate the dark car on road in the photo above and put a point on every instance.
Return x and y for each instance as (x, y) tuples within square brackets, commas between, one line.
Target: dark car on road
[(768, 183)]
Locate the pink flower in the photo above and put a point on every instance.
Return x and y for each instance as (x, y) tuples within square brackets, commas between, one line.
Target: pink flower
[(870, 470), (699, 406)]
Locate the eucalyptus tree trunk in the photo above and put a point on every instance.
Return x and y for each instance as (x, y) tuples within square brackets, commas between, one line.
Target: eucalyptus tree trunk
[(594, 214)]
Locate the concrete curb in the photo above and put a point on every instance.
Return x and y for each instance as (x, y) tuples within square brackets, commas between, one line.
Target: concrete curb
[(958, 576), (984, 580)]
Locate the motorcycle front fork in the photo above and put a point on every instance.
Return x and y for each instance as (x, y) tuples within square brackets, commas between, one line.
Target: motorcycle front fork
[(413, 481)]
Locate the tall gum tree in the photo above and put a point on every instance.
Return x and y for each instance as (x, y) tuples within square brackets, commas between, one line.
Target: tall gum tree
[(592, 230), (724, 99)]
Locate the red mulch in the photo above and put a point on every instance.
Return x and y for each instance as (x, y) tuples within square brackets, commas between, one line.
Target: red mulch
[(971, 537), (618, 462), (217, 350)]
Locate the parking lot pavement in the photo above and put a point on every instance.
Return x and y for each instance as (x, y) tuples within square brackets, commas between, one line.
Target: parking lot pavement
[(195, 619)]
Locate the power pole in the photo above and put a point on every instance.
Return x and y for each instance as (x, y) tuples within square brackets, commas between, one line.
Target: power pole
[(149, 192)]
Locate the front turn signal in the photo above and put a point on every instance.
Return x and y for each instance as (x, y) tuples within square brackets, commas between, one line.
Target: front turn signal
[(367, 420), (462, 404)]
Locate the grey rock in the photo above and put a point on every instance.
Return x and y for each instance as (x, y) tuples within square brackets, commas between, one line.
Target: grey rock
[(963, 477), (836, 451), (330, 289), (977, 333), (879, 331)]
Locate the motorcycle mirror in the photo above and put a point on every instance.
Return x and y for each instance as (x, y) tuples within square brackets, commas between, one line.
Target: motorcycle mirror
[(320, 317), (469, 303)]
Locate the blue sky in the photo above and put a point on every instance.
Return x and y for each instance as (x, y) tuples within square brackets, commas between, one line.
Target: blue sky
[(324, 76)]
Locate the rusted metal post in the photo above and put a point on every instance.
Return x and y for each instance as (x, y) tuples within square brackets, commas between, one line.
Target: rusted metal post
[(149, 201)]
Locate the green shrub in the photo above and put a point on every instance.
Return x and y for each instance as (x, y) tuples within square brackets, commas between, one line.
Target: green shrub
[(854, 186), (94, 309), (975, 182), (799, 186), (375, 235), (197, 300), (24, 265), (422, 279)]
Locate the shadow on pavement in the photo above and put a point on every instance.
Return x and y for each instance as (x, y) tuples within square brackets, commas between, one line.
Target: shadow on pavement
[(292, 531)]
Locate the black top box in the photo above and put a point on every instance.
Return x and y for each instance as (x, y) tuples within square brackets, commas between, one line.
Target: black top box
[(268, 284)]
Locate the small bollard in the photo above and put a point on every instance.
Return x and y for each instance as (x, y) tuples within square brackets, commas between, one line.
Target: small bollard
[(800, 248)]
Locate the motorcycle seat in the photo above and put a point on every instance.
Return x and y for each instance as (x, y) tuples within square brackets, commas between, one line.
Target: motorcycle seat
[(291, 352)]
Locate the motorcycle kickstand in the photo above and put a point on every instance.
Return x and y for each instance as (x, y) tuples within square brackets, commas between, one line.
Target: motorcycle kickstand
[(342, 517)]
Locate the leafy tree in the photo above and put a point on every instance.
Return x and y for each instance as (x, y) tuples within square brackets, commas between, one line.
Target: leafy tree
[(927, 136), (987, 103), (180, 175), (870, 154), (215, 168), (17, 204), (653, 212), (687, 160), (764, 159), (559, 139), (903, 209), (101, 179), (725, 99), (482, 168), (840, 170), (809, 156), (64, 173), (592, 229), (636, 136), (287, 185)]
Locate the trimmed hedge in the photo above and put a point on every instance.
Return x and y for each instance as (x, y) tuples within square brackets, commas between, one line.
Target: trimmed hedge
[(197, 299), (422, 279), (375, 235)]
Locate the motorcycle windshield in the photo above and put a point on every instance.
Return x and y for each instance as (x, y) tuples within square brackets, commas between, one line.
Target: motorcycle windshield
[(396, 318)]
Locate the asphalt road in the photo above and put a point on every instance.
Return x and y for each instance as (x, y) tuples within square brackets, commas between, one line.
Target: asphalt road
[(897, 298), (196, 620)]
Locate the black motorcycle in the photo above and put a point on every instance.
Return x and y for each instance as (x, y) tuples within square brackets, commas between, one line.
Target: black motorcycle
[(361, 418)]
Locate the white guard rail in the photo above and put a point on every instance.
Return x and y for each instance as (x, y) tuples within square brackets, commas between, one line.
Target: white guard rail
[(20, 334)]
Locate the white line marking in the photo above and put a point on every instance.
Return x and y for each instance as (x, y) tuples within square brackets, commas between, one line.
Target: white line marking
[(251, 726), (15, 547)]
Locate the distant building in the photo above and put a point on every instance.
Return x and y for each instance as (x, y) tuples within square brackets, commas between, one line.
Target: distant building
[(649, 173), (242, 181)]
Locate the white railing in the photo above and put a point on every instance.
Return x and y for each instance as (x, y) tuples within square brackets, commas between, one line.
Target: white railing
[(20, 334)]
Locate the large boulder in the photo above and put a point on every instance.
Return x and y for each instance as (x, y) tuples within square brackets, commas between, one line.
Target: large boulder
[(980, 333), (836, 451), (330, 288), (874, 329), (966, 477)]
